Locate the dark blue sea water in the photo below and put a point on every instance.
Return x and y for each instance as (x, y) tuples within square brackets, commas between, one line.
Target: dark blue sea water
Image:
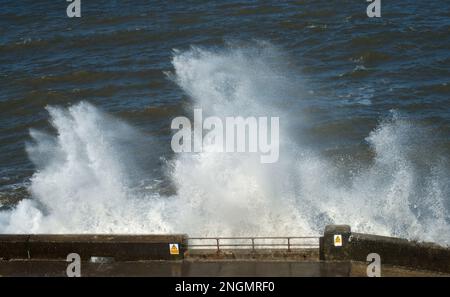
[(369, 96)]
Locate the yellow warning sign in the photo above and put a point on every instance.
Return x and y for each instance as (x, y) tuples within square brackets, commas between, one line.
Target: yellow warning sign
[(174, 250), (337, 240)]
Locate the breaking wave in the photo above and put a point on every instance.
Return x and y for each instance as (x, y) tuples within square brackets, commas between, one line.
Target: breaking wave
[(95, 175)]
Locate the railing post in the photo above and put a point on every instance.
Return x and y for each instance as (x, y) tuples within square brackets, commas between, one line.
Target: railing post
[(253, 244), (289, 244), (218, 248)]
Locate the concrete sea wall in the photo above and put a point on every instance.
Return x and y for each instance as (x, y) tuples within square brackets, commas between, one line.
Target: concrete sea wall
[(339, 246), (392, 251), (119, 247)]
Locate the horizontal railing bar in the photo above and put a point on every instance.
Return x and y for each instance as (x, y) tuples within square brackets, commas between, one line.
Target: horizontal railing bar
[(257, 237), (283, 242), (256, 244), (261, 244), (249, 246)]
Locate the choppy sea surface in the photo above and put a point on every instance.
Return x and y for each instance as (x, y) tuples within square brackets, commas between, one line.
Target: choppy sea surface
[(86, 105)]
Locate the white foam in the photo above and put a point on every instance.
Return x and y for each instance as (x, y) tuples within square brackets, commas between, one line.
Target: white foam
[(84, 182)]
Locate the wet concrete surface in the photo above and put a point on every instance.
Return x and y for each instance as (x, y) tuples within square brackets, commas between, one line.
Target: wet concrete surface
[(178, 268), (219, 268)]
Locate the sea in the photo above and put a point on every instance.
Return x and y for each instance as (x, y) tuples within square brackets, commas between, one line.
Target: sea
[(86, 106)]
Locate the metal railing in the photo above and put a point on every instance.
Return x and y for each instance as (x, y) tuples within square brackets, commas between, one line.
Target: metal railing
[(258, 242)]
